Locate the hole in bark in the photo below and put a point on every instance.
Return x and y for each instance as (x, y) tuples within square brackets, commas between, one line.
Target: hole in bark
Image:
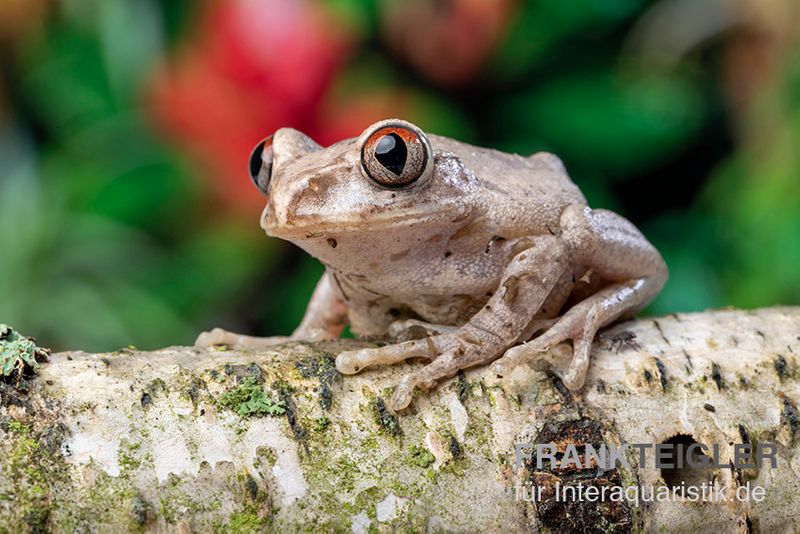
[(685, 460)]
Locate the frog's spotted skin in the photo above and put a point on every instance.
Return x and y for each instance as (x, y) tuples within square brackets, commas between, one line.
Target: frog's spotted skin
[(487, 256)]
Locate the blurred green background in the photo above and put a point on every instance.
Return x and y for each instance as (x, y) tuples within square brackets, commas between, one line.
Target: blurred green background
[(127, 216)]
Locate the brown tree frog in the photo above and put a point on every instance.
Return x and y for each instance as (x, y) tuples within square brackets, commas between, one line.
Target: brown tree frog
[(470, 255)]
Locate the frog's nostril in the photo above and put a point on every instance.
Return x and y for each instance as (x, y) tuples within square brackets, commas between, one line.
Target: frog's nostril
[(261, 164)]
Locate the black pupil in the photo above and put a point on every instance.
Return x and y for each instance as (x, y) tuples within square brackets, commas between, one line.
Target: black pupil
[(391, 152), (255, 160)]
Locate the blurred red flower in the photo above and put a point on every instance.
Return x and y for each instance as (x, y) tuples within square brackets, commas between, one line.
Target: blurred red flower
[(447, 42), (247, 69)]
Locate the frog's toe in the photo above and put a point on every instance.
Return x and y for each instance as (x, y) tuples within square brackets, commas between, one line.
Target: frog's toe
[(525, 352), (403, 393), (575, 376), (511, 359), (350, 362), (216, 336), (353, 361)]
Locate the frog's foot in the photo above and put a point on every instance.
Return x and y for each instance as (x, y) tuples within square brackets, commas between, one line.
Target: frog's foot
[(449, 354), (580, 324), (218, 336), (409, 329)]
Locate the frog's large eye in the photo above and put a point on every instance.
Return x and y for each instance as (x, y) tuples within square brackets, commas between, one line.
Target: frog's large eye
[(261, 164), (395, 156)]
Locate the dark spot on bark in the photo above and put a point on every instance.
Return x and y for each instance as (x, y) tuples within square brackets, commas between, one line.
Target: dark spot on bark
[(52, 437), (567, 515), (255, 372), (332, 242), (324, 368), (709, 407), (750, 525), (385, 419), (562, 390), (285, 394), (716, 376), (743, 434), (251, 487), (661, 332), (228, 369), (196, 387), (662, 374), (455, 448), (760, 333), (394, 312), (105, 361), (601, 386), (463, 386), (690, 366), (648, 376), (790, 415), (780, 366), (146, 400)]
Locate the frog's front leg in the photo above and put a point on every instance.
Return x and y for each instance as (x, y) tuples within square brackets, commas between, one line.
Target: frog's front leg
[(526, 283), (615, 249), (325, 317)]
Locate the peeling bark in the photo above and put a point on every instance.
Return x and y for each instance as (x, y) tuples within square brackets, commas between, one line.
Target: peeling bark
[(141, 441)]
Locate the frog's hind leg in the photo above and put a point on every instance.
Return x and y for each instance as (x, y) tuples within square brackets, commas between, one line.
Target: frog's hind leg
[(580, 324), (614, 248)]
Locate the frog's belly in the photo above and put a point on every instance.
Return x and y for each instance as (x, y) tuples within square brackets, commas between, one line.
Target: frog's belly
[(456, 308)]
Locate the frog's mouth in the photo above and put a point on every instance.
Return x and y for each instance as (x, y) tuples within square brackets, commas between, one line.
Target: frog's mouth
[(316, 229)]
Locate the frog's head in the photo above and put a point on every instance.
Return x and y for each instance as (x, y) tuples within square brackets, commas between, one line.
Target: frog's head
[(386, 188)]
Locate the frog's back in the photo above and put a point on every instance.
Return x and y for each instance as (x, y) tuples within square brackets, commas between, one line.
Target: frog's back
[(523, 191)]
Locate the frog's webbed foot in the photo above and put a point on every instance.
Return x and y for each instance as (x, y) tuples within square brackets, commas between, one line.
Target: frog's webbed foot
[(218, 336)]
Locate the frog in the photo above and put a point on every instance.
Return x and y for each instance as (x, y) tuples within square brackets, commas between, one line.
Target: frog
[(458, 256)]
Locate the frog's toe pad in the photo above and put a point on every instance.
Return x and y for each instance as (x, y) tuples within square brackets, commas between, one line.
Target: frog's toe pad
[(352, 361), (216, 336)]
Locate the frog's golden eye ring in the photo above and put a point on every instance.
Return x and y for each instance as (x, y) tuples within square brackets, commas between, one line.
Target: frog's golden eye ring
[(395, 156), (261, 164)]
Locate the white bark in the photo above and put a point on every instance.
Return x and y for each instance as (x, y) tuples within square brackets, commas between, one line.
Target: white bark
[(138, 441)]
